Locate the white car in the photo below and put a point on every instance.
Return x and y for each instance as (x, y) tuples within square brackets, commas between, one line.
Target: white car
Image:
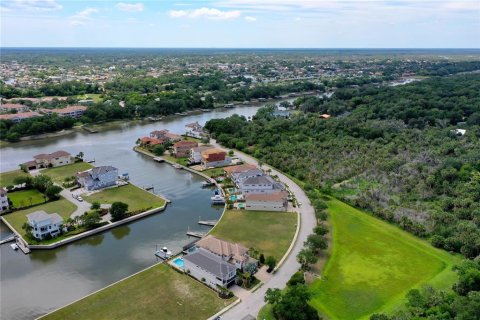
[(79, 198)]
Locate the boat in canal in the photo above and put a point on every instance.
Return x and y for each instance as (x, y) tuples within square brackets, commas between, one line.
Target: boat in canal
[(163, 253)]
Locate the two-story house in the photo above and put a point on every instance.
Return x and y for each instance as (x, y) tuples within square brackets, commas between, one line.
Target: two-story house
[(98, 177), (259, 184), (165, 135), (70, 111), (196, 154), (276, 201), (233, 253), (3, 200), (213, 158), (181, 149), (44, 224), (47, 160), (195, 130)]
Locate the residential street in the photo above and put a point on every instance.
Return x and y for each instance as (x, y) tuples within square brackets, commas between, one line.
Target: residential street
[(252, 303)]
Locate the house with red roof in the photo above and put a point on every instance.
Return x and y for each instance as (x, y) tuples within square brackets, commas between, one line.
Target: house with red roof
[(182, 149)]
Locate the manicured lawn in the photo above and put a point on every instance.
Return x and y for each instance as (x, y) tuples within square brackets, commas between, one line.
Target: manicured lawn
[(6, 178), (63, 207), (214, 172), (58, 174), (373, 265), (136, 198), (157, 293), (182, 161), (26, 198), (269, 232)]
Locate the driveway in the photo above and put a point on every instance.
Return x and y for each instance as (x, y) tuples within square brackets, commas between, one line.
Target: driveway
[(82, 207), (252, 303)]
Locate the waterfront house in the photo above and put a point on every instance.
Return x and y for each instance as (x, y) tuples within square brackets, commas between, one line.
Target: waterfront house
[(259, 184), (209, 268), (44, 224), (212, 158), (238, 169), (47, 160), (150, 142), (18, 117), (10, 107), (276, 201), (232, 253), (181, 149), (239, 177), (70, 111), (165, 135), (195, 130), (196, 154), (98, 177), (4, 205)]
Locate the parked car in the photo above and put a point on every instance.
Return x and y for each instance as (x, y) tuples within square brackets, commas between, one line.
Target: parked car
[(79, 198)]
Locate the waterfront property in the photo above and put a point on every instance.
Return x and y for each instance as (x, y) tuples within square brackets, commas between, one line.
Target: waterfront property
[(212, 158), (49, 160), (147, 142), (196, 154), (159, 293), (3, 200), (44, 225), (269, 232), (275, 201), (165, 135), (233, 253), (195, 130), (59, 174), (69, 111), (209, 268), (98, 178), (375, 274), (259, 184), (18, 117), (16, 107), (182, 149)]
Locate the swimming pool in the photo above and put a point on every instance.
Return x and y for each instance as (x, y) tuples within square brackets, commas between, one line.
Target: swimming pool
[(179, 262), (233, 197)]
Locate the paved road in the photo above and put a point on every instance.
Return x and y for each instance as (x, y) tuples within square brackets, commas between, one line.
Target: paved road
[(252, 304)]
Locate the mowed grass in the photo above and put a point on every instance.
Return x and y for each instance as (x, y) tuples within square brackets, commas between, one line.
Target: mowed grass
[(26, 198), (6, 178), (156, 293), (136, 198), (373, 265), (269, 232), (58, 174), (63, 207)]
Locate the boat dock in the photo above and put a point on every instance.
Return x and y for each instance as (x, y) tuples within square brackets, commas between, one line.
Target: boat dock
[(196, 234), (208, 222), (22, 246), (159, 159), (9, 239)]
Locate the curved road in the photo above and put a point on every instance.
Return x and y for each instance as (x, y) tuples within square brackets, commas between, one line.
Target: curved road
[(252, 304)]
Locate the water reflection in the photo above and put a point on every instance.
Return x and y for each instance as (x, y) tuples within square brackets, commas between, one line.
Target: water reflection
[(121, 232)]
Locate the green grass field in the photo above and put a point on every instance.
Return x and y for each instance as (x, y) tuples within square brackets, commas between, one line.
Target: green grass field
[(135, 197), (157, 293), (58, 174), (94, 96), (214, 172), (6, 178), (373, 265), (269, 232), (63, 207), (26, 198)]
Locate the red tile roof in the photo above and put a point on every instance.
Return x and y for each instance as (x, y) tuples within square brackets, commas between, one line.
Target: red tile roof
[(277, 196)]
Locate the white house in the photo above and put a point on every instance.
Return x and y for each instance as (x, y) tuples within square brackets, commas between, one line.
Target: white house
[(46, 160), (259, 184), (196, 154), (232, 253), (44, 224), (98, 177), (209, 268), (277, 201), (3, 200)]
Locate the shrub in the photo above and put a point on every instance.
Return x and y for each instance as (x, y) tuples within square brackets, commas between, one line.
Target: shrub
[(271, 263), (262, 259), (297, 278)]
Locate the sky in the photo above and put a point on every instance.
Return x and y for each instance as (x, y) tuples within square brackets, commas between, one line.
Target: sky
[(241, 23)]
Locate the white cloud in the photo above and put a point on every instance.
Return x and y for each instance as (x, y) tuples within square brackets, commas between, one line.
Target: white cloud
[(80, 18), (35, 5), (250, 18), (130, 7), (210, 13)]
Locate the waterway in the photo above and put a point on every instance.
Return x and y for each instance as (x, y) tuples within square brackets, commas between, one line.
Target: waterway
[(34, 284)]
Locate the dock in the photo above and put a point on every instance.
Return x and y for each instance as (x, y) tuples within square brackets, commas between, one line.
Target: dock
[(159, 159), (208, 222), (196, 234), (9, 239), (22, 246)]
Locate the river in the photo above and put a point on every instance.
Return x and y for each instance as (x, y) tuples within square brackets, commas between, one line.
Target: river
[(34, 284)]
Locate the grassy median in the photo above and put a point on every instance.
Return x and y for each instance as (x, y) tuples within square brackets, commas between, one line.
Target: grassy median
[(156, 293)]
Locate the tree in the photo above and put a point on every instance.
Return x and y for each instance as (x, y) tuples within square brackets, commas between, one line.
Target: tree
[(468, 277), (321, 230), (293, 305), (306, 257), (95, 205), (118, 210), (91, 219), (271, 263), (41, 182), (52, 191), (261, 259), (273, 296), (159, 150), (316, 242), (23, 180)]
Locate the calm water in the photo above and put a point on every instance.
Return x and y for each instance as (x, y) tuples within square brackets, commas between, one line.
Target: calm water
[(34, 284)]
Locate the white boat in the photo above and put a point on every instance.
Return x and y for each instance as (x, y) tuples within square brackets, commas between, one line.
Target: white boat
[(163, 253), (217, 199), (14, 246)]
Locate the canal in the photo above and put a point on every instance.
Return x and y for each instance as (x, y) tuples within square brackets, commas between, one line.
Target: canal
[(34, 284)]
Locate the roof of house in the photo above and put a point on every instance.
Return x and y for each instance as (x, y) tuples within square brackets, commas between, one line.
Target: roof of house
[(96, 171), (239, 168), (201, 148), (41, 215), (13, 106), (67, 109), (20, 115), (151, 140), (213, 151), (49, 156), (3, 191), (222, 247), (193, 125), (185, 143), (259, 180), (275, 196), (210, 262)]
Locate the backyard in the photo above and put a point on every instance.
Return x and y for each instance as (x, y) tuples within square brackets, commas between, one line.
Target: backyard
[(269, 232), (136, 198), (214, 172), (6, 178), (373, 265), (25, 198), (58, 174), (63, 207), (156, 293)]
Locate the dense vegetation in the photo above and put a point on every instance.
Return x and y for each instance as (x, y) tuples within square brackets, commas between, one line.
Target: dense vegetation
[(395, 156)]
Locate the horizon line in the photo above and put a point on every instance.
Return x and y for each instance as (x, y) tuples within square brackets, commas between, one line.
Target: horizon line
[(245, 48)]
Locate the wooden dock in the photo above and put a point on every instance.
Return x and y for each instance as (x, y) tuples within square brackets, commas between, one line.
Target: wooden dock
[(9, 239), (196, 234), (208, 222), (22, 246)]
